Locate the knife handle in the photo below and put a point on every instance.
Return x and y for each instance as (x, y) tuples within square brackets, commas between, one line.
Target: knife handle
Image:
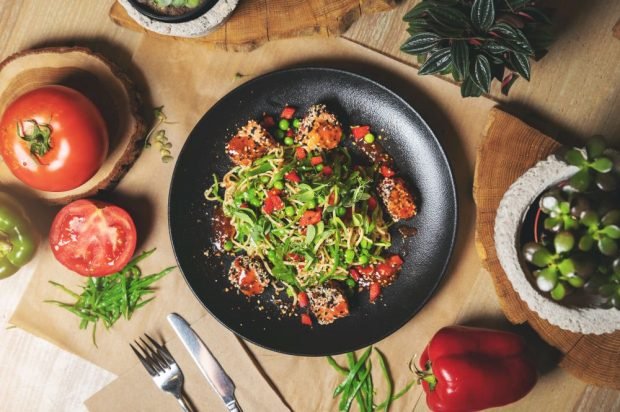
[(233, 406)]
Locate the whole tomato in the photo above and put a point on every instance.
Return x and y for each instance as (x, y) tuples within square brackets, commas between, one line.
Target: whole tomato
[(53, 138)]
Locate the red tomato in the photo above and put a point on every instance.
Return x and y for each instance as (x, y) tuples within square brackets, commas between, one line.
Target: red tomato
[(386, 171), (288, 112), (302, 298), (375, 291), (354, 274), (310, 217), (372, 203), (316, 160), (272, 203), (292, 176), (306, 319), (360, 131), (268, 122), (53, 138), (396, 261), (93, 238), (327, 170), (301, 153)]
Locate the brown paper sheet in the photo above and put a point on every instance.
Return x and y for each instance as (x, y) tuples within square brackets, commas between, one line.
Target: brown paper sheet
[(189, 79)]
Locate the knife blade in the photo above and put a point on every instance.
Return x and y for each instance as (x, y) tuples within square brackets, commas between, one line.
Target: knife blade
[(208, 365)]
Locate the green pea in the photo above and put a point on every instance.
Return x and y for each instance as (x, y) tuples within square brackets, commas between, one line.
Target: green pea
[(228, 245), (278, 184), (363, 259), (369, 138), (311, 204), (350, 283), (341, 211), (283, 124), (365, 244), (296, 123), (319, 167), (255, 202), (265, 179), (280, 134), (288, 140), (349, 256), (290, 211)]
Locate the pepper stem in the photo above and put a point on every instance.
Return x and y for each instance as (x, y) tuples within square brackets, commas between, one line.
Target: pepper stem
[(5, 245), (39, 137), (427, 375)]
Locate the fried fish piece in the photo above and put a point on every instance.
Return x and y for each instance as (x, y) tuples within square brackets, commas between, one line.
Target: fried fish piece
[(251, 142), (248, 275), (319, 129), (398, 200), (328, 303)]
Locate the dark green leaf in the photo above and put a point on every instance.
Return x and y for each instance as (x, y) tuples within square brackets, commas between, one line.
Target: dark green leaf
[(602, 165), (575, 157), (608, 246), (508, 82), (595, 146), (513, 38), (483, 14), (494, 47), (469, 88), (418, 26), (449, 17), (437, 62), (482, 73), (612, 231), (515, 5), (420, 43), (521, 64), (418, 10), (460, 57), (559, 291)]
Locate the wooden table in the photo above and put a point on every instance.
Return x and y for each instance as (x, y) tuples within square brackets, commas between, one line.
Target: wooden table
[(38, 376)]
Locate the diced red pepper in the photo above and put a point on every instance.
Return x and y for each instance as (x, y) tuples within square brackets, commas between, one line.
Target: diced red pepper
[(360, 131), (272, 203), (372, 203), (292, 176), (274, 192), (327, 170), (306, 319), (395, 260), (316, 160), (302, 298), (331, 199), (375, 291), (289, 132), (366, 271), (268, 122), (386, 171), (354, 274), (300, 153), (310, 217), (288, 112)]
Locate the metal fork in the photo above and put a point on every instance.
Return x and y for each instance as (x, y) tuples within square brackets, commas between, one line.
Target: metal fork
[(162, 367)]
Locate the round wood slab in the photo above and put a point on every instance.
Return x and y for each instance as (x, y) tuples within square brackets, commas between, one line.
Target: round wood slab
[(104, 84), (255, 22), (508, 149)]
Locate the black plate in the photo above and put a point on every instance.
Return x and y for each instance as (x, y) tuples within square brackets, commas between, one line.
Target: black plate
[(419, 157)]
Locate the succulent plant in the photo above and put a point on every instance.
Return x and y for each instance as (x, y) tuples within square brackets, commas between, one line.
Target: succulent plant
[(177, 3), (477, 40), (579, 246)]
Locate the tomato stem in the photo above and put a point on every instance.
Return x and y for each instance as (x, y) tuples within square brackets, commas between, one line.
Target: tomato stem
[(39, 137)]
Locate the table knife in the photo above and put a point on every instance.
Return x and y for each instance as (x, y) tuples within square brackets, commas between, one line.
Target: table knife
[(206, 362)]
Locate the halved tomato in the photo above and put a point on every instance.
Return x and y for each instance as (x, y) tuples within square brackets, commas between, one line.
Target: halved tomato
[(93, 238)]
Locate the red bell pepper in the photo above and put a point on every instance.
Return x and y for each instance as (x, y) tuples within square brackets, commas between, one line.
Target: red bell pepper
[(288, 112), (292, 176), (470, 369), (360, 131), (300, 153)]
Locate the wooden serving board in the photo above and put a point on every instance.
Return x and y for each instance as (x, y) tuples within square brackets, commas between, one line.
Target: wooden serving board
[(509, 148), (255, 22)]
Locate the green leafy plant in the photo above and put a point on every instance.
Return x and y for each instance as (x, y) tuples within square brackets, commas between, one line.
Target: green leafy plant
[(477, 40), (177, 3), (578, 247)]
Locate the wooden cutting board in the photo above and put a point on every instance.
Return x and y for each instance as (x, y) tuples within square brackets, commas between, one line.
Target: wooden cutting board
[(255, 22), (509, 148)]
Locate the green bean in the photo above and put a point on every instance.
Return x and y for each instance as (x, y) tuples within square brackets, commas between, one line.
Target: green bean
[(353, 372), (388, 380), (399, 394), (356, 388)]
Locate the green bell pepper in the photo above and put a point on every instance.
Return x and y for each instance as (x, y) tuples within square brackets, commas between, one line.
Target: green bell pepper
[(18, 240)]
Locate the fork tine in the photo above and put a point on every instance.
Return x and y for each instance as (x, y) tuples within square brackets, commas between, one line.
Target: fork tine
[(156, 356), (163, 351), (148, 354), (144, 361)]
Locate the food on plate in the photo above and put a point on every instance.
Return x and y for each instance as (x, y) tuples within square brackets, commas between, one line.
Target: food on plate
[(319, 129), (575, 252), (470, 369), (93, 238), (251, 142), (53, 138), (328, 302), (305, 215), (248, 275), (18, 240), (108, 298), (171, 7), (358, 383)]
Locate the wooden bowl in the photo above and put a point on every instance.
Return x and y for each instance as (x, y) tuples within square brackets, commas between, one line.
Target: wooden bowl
[(104, 84)]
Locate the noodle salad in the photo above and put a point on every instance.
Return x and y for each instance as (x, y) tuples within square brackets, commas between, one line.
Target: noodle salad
[(303, 217)]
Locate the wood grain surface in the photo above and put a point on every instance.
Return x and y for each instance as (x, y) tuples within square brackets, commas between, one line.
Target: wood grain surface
[(574, 93), (500, 161), (279, 19)]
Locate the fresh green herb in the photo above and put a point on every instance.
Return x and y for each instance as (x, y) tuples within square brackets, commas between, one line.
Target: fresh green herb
[(358, 383), (108, 298), (161, 140), (477, 41)]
